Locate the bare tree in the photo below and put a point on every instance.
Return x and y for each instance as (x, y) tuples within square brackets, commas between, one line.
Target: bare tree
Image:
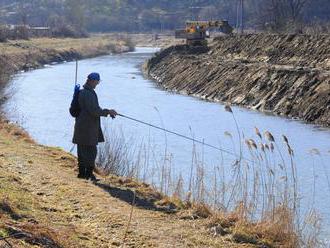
[(296, 7), (281, 14), (23, 12), (76, 13)]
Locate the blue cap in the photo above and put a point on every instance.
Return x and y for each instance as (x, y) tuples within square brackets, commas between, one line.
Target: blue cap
[(94, 76)]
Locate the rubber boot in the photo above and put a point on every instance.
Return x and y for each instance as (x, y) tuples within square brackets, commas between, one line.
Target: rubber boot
[(90, 175), (82, 172)]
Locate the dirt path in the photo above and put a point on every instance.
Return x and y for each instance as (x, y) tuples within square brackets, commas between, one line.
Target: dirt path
[(40, 186)]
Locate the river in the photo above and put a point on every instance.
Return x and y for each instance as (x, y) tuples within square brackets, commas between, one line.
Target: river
[(39, 101)]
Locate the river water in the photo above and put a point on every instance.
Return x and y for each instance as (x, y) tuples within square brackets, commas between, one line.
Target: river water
[(39, 101)]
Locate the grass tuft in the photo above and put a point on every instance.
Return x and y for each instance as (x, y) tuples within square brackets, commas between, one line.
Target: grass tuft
[(201, 210)]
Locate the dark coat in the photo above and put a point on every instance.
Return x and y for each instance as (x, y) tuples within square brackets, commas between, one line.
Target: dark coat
[(87, 129)]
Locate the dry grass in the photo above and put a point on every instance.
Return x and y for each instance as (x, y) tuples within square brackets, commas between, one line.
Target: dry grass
[(15, 131), (92, 43), (222, 227), (41, 197), (258, 204), (267, 234), (27, 54), (275, 227), (22, 219)]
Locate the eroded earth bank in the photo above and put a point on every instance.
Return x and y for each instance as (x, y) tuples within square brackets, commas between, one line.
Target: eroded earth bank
[(284, 74)]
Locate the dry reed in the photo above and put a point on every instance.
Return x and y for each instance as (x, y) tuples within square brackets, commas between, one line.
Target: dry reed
[(261, 192)]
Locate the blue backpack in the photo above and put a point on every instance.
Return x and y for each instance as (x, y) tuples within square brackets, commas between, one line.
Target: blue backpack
[(74, 107)]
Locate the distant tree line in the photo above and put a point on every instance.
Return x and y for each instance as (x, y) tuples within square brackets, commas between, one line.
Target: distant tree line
[(75, 17)]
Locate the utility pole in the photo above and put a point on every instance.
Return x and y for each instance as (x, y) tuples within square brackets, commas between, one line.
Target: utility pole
[(237, 14), (240, 16)]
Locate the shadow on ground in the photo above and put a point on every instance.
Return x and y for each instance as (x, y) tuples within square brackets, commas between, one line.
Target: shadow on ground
[(127, 195)]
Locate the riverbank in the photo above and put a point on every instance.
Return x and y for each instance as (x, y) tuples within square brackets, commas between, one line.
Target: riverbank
[(43, 204), (17, 55), (159, 40), (287, 75)]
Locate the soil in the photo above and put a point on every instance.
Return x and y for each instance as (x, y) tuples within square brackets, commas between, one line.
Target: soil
[(287, 75)]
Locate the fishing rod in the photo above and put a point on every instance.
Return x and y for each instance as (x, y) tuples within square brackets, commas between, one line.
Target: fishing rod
[(76, 76), (76, 89), (180, 135)]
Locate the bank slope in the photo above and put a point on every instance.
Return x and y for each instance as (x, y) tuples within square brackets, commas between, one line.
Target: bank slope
[(43, 204), (16, 55), (284, 74)]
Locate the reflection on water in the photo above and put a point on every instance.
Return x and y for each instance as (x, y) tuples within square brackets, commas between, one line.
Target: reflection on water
[(40, 101)]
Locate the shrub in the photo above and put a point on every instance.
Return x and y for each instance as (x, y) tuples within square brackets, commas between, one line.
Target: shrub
[(20, 33), (4, 33), (68, 31), (129, 42)]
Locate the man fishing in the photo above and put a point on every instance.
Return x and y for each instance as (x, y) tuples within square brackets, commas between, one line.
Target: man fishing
[(87, 129)]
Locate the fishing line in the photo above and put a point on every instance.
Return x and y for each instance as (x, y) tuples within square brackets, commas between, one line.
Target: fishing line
[(182, 136)]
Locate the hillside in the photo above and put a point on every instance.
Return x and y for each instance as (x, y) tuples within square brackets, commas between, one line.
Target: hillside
[(152, 15), (284, 74)]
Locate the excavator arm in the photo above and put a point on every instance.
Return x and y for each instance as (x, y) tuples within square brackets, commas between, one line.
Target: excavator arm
[(206, 25)]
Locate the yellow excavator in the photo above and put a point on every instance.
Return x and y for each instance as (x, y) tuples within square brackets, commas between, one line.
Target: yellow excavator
[(196, 32)]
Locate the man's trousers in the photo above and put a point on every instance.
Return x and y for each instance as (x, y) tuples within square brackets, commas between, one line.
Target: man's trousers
[(86, 160)]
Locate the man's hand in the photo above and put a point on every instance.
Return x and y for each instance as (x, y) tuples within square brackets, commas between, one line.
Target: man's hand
[(112, 113)]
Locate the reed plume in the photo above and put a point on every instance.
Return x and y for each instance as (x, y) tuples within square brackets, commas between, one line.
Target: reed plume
[(269, 136)]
